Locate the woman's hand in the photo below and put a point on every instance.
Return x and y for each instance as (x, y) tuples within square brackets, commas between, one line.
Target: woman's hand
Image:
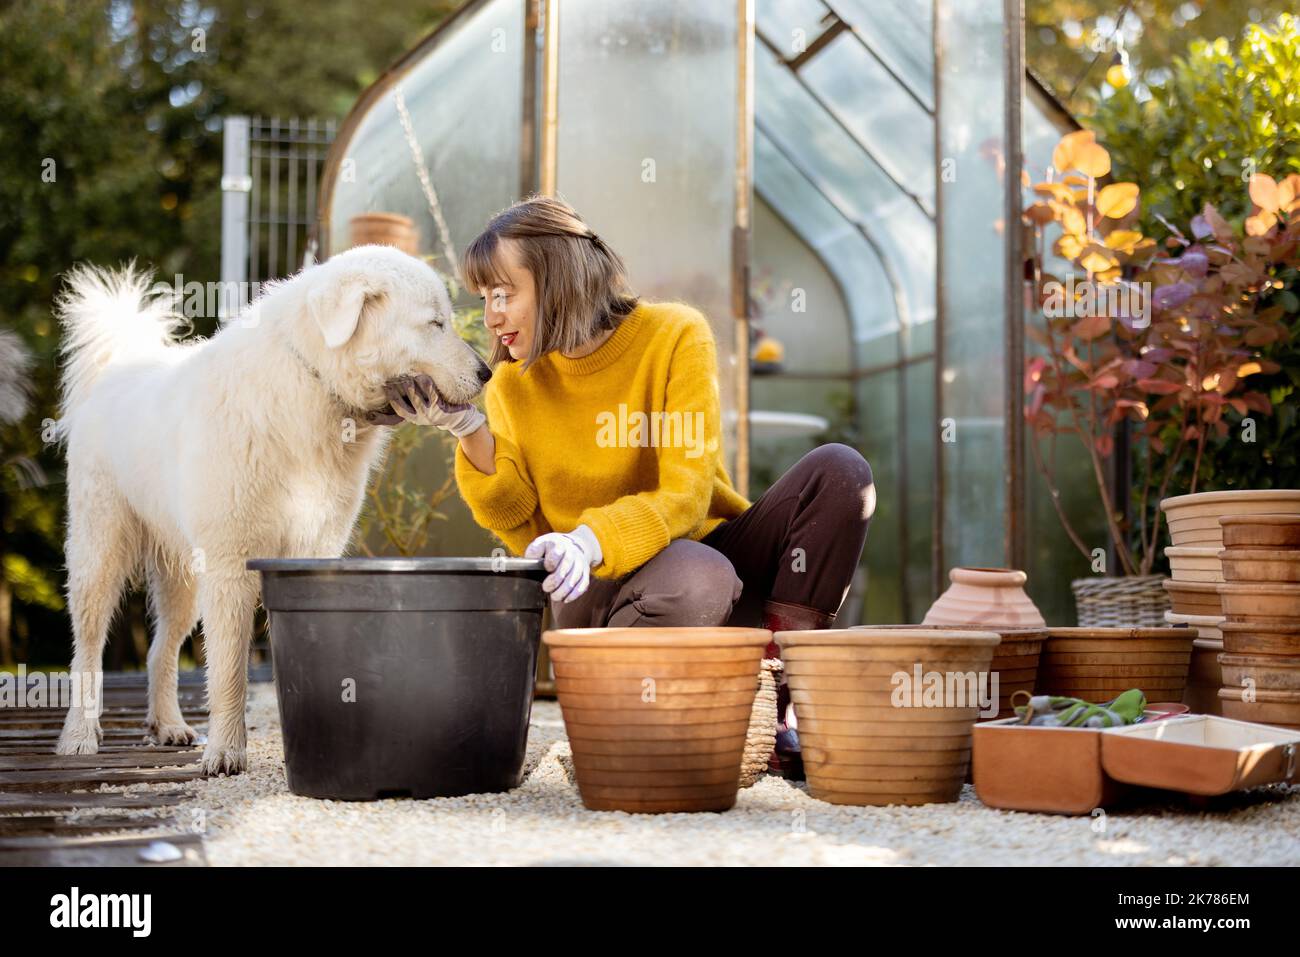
[(414, 399), (570, 556)]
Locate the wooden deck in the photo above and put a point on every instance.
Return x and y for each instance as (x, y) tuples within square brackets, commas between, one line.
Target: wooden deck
[(54, 810)]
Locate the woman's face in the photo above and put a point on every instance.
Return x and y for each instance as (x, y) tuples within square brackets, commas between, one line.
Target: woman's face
[(509, 308)]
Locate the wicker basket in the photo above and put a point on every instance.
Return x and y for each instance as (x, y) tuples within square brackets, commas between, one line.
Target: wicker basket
[(1135, 601), (761, 737)]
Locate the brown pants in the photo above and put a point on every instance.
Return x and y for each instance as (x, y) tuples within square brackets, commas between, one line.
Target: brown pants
[(800, 542)]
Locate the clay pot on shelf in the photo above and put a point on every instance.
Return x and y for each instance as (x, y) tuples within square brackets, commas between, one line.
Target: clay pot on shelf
[(1194, 519), (384, 229), (984, 596), (1194, 598), (1268, 672), (868, 736), (657, 717), (1261, 531), (1262, 636), (1194, 564), (1260, 564), (1278, 708), (1244, 601), (1097, 664)]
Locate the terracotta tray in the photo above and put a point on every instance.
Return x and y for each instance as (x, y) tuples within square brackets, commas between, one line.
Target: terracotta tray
[(1201, 754)]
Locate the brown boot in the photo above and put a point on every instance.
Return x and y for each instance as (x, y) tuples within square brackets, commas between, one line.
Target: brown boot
[(787, 760)]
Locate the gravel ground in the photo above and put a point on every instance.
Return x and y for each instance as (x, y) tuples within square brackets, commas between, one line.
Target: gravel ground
[(253, 819)]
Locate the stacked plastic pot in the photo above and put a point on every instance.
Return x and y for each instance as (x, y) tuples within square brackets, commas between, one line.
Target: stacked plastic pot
[(1261, 599)]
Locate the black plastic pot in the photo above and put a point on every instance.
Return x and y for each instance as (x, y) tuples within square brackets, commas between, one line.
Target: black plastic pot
[(403, 677)]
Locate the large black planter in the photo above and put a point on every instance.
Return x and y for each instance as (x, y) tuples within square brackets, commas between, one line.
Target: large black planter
[(403, 677)]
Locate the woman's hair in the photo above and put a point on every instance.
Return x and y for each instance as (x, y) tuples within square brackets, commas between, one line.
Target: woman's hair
[(580, 283)]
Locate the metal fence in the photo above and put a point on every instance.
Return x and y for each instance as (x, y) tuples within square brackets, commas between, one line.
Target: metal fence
[(269, 183)]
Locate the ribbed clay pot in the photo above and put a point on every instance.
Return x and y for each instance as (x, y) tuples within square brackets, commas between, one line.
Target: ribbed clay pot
[(384, 229), (868, 732), (1261, 531), (1204, 677), (984, 596), (1268, 672), (1205, 626), (1245, 601), (1278, 708), (1260, 564), (1194, 519), (1194, 598), (657, 717), (1097, 664), (1262, 636), (1191, 563), (1015, 659)]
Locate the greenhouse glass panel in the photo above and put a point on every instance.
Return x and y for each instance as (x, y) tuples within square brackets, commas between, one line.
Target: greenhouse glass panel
[(901, 34)]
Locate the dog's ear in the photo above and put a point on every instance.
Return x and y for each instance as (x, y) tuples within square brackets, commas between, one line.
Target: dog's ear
[(338, 307)]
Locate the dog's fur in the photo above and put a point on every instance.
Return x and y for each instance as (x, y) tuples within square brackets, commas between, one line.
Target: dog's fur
[(185, 459)]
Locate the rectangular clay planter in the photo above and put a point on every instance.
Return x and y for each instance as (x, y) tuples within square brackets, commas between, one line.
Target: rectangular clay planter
[(1053, 770), (1261, 564), (1200, 755), (657, 718)]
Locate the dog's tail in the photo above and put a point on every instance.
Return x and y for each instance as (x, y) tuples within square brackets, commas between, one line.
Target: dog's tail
[(109, 316)]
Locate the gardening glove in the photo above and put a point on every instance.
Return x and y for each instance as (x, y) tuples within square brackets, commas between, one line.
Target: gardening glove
[(414, 399), (1053, 711), (569, 555)]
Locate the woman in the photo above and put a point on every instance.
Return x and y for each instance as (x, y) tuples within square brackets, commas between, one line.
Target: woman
[(601, 453)]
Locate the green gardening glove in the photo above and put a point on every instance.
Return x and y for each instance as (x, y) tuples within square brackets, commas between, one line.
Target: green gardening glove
[(1054, 711)]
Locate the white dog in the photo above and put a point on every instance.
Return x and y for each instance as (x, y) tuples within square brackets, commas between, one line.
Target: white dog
[(185, 459)]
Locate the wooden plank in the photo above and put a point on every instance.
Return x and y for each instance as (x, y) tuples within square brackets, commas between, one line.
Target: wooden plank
[(68, 779), (134, 758), (140, 800), (96, 852), (47, 747), (34, 825)]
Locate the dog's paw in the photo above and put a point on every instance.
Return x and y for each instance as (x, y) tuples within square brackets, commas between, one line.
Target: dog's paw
[(81, 739), (158, 733), (217, 761)]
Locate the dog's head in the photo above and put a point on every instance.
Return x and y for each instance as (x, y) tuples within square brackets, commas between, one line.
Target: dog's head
[(374, 313)]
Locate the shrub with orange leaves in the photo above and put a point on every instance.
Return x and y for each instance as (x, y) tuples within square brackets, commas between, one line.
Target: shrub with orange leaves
[(1171, 347)]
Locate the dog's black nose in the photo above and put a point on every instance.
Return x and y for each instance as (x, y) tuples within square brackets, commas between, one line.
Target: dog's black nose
[(484, 372)]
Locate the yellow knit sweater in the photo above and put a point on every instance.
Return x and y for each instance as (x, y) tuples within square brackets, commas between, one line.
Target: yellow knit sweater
[(626, 440)]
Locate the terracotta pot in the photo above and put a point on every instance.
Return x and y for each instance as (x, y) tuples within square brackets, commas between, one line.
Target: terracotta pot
[(384, 229), (1015, 660), (985, 597), (1261, 564), (1246, 600), (1205, 626), (1194, 519), (657, 717), (863, 744), (1204, 677), (1194, 564), (1268, 672), (1263, 637), (1278, 708), (1194, 598), (1261, 531), (1096, 664)]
